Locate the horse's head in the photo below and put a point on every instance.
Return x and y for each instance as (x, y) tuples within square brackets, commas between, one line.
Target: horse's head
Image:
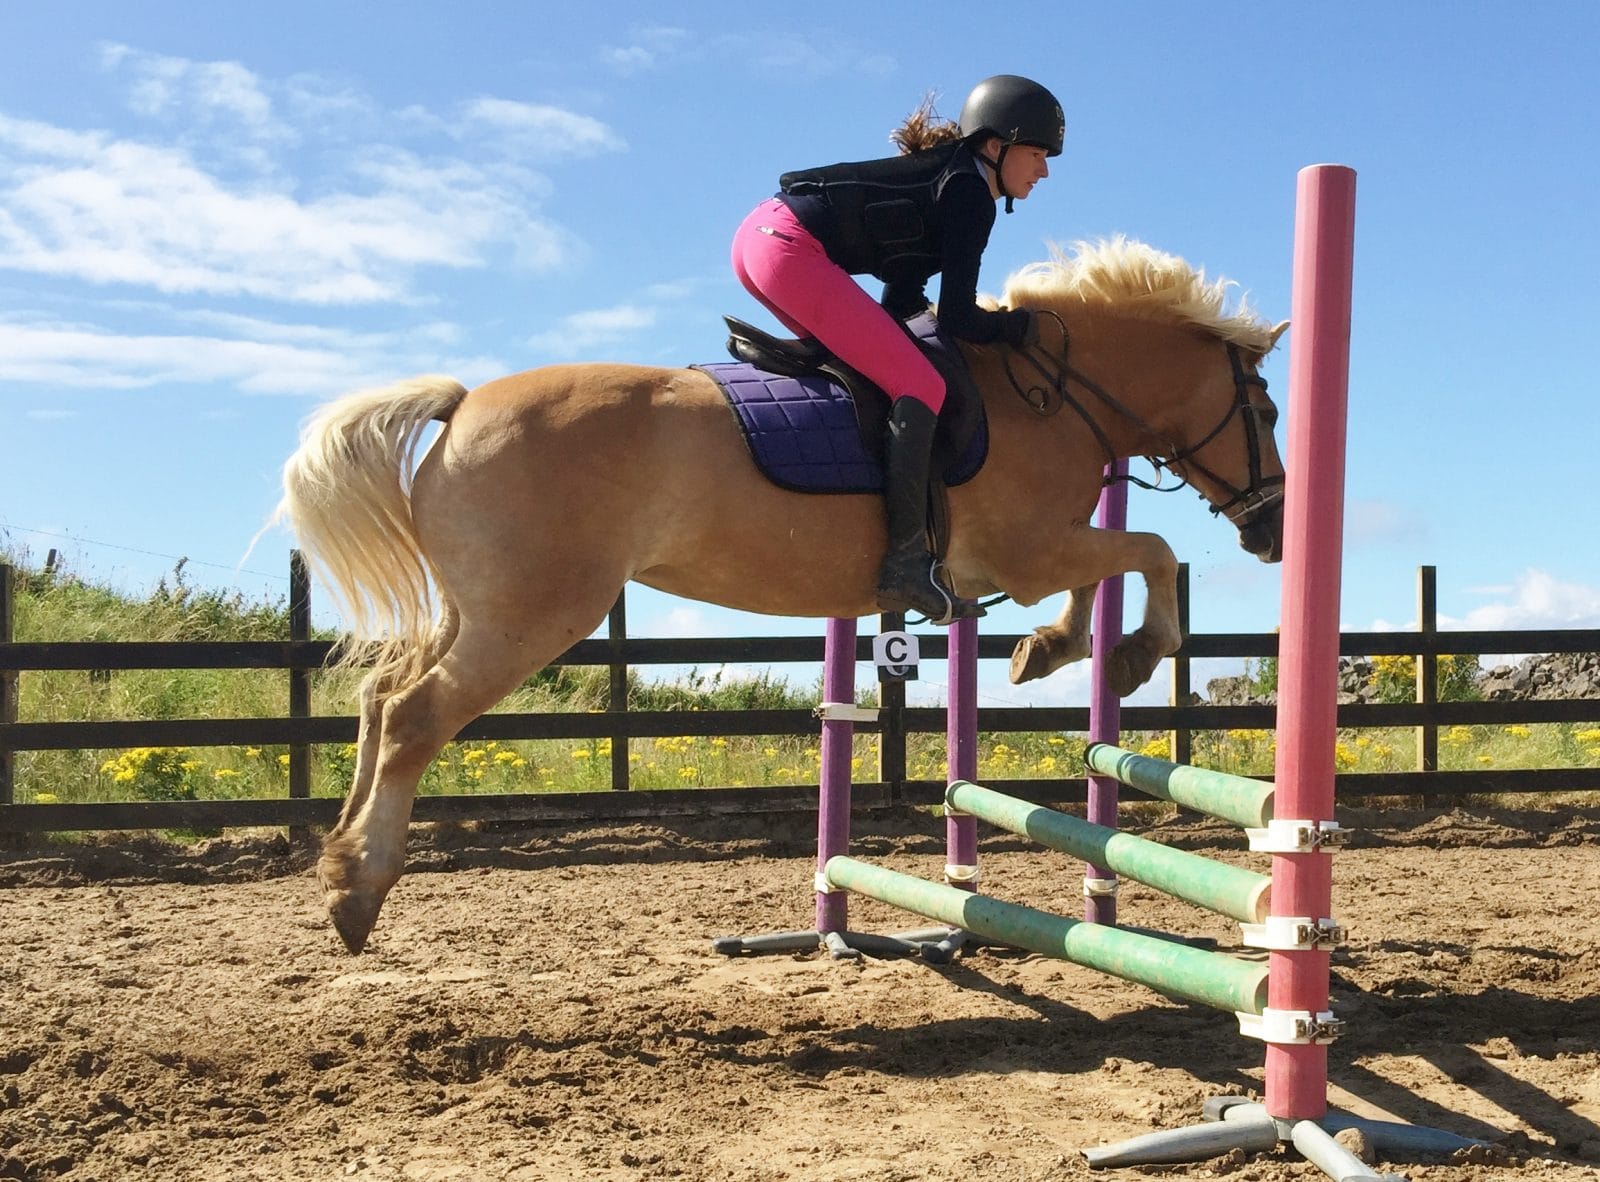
[(1182, 365), (1235, 463)]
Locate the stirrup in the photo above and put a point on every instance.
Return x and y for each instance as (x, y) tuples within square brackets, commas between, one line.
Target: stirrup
[(958, 609), (931, 597)]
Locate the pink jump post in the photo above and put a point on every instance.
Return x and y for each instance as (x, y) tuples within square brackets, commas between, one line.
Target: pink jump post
[(1297, 1024)]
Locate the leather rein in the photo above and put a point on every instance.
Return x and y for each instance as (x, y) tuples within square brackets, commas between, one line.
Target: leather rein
[(1242, 507)]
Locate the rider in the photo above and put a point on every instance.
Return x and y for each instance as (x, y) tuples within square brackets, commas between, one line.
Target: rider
[(904, 219)]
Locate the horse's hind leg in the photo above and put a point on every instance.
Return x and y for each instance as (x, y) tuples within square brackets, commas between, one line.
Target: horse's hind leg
[(364, 857), (375, 689)]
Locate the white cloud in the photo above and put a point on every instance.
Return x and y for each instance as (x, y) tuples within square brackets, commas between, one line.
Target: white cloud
[(767, 52), (630, 59), (582, 331), (313, 101), (1536, 599), (113, 211), (207, 202), (534, 125), (197, 93), (302, 360), (650, 47), (654, 304)]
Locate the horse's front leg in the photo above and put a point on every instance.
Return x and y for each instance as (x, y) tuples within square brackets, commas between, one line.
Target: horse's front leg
[(1080, 559)]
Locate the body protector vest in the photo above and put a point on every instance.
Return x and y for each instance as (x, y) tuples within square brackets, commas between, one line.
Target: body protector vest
[(880, 217)]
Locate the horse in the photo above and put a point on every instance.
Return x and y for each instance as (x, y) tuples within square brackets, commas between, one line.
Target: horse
[(546, 491)]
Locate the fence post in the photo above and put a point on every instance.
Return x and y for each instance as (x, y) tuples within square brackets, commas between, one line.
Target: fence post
[(892, 716), (617, 635), (1428, 676), (299, 685), (1182, 687), (8, 681)]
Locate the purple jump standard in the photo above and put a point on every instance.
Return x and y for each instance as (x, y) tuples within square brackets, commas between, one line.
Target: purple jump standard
[(839, 715)]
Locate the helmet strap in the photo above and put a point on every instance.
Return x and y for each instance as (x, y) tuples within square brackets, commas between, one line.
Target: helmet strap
[(998, 164)]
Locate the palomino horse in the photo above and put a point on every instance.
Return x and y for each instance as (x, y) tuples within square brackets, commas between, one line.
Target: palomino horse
[(546, 491)]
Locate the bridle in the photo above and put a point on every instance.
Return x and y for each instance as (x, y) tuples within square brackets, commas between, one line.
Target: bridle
[(1243, 506)]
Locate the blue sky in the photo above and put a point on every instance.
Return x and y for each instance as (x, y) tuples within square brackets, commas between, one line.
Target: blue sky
[(209, 226)]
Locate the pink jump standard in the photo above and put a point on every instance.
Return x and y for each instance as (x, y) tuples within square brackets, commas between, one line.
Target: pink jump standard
[(1297, 1023), (1319, 372)]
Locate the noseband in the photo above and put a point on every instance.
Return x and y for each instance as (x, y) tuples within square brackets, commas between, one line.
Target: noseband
[(1243, 507)]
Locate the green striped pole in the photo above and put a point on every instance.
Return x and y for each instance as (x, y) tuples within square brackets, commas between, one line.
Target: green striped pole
[(1238, 799), (1227, 890), (1211, 978)]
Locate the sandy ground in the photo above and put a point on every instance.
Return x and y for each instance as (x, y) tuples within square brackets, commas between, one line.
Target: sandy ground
[(542, 1005)]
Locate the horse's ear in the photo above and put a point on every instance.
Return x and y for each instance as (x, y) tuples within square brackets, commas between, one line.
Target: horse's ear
[(1278, 330)]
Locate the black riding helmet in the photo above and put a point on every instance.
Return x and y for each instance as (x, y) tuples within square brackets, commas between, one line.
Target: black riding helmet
[(1018, 111)]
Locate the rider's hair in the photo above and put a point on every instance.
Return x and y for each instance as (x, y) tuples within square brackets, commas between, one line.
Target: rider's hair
[(924, 128)]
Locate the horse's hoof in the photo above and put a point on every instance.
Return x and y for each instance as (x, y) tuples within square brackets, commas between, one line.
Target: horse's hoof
[(1029, 660), (353, 918), (1122, 677)]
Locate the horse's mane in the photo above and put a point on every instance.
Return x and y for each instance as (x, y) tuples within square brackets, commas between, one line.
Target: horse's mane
[(1138, 280)]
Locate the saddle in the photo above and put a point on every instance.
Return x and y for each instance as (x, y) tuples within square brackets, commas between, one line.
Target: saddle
[(960, 444)]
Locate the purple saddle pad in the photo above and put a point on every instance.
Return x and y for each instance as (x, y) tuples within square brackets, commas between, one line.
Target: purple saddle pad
[(803, 435)]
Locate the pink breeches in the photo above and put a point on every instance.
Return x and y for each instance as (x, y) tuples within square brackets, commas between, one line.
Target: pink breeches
[(783, 266)]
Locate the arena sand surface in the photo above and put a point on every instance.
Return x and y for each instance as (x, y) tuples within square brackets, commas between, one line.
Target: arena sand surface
[(544, 1004)]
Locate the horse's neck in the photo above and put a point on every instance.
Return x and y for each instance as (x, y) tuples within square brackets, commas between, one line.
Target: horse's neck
[(1123, 377)]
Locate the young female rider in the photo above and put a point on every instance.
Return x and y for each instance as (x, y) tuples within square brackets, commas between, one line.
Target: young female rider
[(904, 219)]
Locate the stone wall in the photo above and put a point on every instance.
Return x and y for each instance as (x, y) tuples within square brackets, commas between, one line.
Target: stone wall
[(1547, 675)]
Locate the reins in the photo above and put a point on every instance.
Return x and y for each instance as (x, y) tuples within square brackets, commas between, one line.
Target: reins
[(1048, 399), (1053, 388)]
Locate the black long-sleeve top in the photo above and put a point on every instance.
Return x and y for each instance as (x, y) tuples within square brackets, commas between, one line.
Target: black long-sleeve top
[(905, 219)]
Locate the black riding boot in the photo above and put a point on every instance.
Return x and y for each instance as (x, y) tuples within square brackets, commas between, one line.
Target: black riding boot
[(909, 580)]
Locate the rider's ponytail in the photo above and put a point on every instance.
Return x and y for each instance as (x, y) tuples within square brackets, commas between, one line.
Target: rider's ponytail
[(924, 129)]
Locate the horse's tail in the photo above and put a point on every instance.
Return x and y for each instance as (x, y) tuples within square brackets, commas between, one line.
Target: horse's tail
[(346, 492)]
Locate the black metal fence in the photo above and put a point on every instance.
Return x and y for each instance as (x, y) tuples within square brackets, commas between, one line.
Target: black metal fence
[(299, 657)]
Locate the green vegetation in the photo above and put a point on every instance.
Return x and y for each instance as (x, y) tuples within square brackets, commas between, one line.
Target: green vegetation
[(55, 606)]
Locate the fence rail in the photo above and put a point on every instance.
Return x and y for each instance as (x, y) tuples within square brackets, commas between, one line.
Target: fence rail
[(300, 656)]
